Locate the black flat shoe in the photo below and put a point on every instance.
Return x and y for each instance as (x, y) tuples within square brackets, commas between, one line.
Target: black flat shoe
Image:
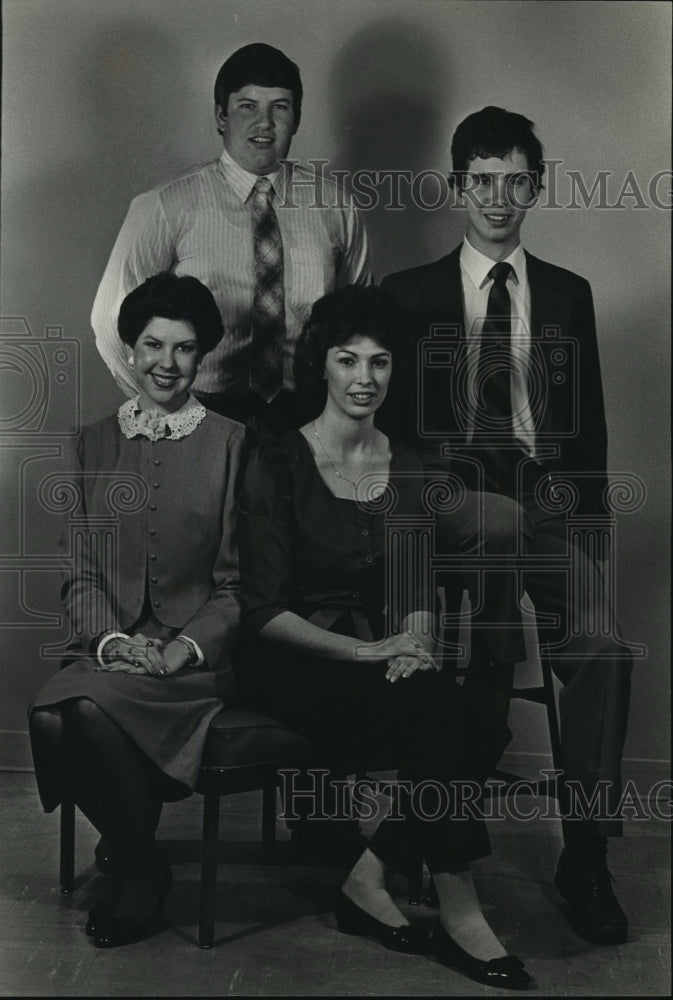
[(352, 919), (116, 931), (506, 972), (109, 931)]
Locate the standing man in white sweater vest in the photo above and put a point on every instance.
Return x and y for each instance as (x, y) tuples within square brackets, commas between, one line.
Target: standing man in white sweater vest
[(266, 235)]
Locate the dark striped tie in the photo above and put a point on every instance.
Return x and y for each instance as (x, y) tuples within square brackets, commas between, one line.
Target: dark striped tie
[(268, 307)]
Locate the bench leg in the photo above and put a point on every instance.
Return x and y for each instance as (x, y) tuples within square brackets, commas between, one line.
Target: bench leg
[(269, 820), (211, 822), (67, 846)]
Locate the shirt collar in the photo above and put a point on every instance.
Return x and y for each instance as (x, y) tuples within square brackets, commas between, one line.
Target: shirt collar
[(242, 181), (154, 425), (477, 265)]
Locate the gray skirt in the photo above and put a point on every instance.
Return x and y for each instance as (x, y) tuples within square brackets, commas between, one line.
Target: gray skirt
[(167, 718)]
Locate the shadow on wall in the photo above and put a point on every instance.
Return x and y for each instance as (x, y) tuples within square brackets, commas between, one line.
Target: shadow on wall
[(390, 93), (141, 93), (139, 99), (127, 133)]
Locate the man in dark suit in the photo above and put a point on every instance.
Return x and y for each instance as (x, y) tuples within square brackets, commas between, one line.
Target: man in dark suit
[(507, 390)]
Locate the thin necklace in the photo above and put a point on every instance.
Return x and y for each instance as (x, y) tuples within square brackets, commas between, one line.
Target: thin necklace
[(338, 474)]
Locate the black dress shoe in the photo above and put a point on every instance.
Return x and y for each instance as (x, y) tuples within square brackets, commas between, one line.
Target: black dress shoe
[(115, 931), (352, 919), (507, 972), (586, 885)]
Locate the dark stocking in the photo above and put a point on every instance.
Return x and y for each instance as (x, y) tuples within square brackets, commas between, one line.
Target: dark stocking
[(113, 786)]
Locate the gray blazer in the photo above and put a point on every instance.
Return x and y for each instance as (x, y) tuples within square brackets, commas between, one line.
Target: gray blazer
[(154, 532)]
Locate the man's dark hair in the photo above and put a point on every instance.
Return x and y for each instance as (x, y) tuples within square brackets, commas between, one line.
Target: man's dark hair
[(495, 132), (172, 297), (264, 66), (364, 310)]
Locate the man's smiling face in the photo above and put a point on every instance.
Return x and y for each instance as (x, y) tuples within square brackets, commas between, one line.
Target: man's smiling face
[(257, 127), (497, 193)]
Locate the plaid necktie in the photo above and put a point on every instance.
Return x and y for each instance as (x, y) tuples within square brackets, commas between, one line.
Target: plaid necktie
[(268, 307), (493, 418)]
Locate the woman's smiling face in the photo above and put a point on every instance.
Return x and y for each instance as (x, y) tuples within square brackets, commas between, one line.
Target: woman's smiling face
[(165, 361), (358, 372)]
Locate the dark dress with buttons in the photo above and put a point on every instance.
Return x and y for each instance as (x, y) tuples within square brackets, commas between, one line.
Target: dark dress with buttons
[(173, 508), (337, 563)]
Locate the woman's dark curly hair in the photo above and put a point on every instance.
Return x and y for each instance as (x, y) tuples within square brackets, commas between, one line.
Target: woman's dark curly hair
[(354, 310), (172, 297)]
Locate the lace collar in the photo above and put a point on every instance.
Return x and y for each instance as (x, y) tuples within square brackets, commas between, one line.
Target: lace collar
[(154, 425)]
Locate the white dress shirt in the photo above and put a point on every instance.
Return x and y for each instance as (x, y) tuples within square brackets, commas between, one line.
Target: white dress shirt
[(200, 224), (474, 270)]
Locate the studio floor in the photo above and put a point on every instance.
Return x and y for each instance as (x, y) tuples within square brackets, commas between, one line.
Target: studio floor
[(275, 933)]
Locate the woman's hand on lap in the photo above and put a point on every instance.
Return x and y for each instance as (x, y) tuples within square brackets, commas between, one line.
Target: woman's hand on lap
[(133, 655), (404, 666), (400, 644), (151, 658), (137, 651), (404, 652), (123, 667)]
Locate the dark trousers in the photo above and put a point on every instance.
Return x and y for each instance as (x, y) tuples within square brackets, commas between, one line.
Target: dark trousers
[(443, 740), (594, 665), (480, 531)]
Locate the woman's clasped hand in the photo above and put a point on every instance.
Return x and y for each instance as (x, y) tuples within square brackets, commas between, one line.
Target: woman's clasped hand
[(142, 655)]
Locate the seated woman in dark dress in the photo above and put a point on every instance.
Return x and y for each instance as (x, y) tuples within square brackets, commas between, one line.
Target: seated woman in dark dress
[(123, 723), (343, 646)]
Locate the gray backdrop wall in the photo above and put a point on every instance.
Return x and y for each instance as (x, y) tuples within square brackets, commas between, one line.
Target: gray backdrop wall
[(103, 100)]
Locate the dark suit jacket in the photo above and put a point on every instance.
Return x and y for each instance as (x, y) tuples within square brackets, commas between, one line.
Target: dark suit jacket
[(565, 384)]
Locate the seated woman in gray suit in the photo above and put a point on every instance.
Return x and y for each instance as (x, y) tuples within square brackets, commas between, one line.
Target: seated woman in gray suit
[(342, 647), (125, 719)]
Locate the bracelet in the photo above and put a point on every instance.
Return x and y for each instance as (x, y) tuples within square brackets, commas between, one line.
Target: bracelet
[(192, 659)]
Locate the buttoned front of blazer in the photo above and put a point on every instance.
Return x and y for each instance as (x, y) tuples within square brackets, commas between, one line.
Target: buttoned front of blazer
[(173, 503)]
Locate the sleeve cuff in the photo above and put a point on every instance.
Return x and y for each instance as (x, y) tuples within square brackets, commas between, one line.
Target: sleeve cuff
[(200, 658), (105, 638)]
